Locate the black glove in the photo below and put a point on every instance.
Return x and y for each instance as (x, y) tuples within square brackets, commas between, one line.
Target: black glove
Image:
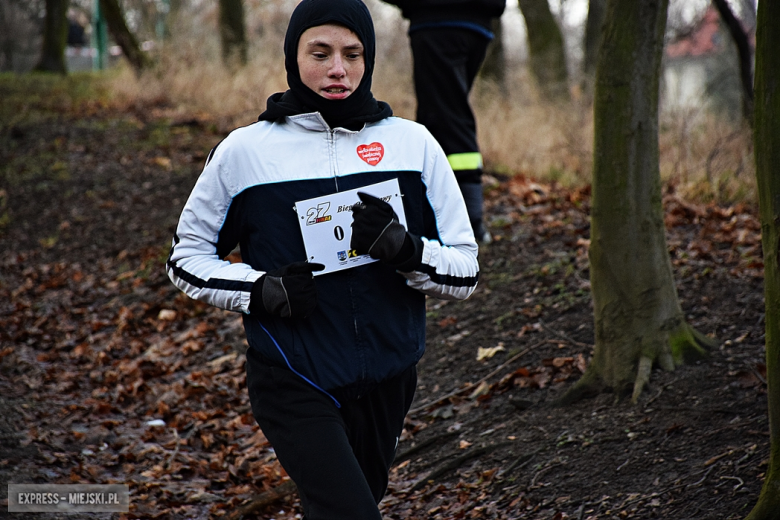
[(375, 229), (287, 292)]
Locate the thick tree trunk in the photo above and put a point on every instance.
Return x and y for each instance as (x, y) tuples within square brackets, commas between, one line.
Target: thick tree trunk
[(742, 42), (7, 41), (122, 35), (546, 49), (55, 37), (494, 66), (767, 147), (594, 28), (232, 32), (638, 319)]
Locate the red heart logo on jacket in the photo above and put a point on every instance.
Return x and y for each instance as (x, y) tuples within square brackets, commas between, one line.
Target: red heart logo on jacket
[(371, 153)]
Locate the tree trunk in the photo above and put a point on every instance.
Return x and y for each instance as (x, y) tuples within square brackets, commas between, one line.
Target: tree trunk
[(767, 149), (638, 319), (742, 42), (594, 28), (546, 49), (55, 37), (122, 35), (232, 32), (494, 66), (7, 41)]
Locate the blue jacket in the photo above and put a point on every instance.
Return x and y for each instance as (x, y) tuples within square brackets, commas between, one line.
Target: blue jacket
[(369, 324)]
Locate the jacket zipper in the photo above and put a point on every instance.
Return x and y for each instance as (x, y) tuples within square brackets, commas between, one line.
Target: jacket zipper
[(334, 171), (332, 156)]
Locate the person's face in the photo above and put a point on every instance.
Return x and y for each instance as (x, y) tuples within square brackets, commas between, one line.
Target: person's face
[(330, 60)]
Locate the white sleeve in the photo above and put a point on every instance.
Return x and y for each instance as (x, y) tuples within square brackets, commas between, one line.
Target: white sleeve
[(449, 268), (193, 265)]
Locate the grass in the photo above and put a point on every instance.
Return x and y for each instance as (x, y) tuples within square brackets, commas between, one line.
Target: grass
[(37, 95), (703, 157)]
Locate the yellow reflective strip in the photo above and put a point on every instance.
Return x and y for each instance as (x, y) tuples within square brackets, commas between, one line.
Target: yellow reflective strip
[(465, 161)]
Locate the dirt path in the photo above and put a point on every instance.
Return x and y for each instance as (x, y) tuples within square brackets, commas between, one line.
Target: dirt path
[(95, 343)]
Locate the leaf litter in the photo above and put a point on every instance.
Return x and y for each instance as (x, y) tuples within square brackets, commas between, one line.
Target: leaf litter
[(108, 374)]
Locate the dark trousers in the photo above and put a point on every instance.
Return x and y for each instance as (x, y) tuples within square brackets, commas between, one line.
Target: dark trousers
[(339, 458), (446, 62)]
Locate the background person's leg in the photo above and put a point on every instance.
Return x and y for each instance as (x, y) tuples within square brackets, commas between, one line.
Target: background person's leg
[(441, 83), (472, 195), (446, 62), (308, 434)]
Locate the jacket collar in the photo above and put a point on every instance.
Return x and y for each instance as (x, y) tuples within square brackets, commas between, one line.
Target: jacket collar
[(313, 121)]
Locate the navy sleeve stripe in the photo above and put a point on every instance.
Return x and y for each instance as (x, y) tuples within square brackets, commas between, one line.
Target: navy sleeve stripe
[(211, 153), (213, 283), (176, 240), (448, 279)]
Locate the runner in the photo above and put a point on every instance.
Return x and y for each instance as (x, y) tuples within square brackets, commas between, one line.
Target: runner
[(333, 343)]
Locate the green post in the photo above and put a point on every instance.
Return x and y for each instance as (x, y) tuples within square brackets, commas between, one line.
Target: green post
[(99, 38), (161, 27)]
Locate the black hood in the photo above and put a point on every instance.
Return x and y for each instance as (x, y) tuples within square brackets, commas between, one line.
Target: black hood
[(360, 107)]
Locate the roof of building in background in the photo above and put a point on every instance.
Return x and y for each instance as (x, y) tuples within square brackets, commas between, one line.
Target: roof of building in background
[(704, 39)]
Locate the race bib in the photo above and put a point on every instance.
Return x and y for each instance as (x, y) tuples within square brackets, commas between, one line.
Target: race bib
[(326, 225)]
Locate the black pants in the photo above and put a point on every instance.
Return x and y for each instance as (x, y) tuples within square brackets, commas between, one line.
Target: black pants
[(446, 62), (338, 457)]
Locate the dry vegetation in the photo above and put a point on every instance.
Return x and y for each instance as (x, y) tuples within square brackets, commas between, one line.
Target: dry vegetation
[(704, 157), (95, 342)]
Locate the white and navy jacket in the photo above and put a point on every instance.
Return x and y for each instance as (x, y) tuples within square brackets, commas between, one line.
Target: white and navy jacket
[(369, 324)]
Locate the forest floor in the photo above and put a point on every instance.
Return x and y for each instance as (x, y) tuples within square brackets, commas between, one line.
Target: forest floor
[(96, 344)]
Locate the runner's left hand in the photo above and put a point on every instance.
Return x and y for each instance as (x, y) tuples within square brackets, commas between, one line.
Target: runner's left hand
[(376, 230)]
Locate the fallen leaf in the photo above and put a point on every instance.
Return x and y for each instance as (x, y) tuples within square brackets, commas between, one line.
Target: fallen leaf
[(166, 315), (165, 162), (560, 361), (459, 336), (487, 353), (581, 363), (223, 359), (446, 322), (482, 389)]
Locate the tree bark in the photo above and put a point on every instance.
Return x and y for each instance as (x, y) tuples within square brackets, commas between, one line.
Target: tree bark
[(232, 32), (638, 319), (7, 41), (55, 37), (767, 150), (742, 42), (122, 35), (494, 66), (546, 49), (594, 28)]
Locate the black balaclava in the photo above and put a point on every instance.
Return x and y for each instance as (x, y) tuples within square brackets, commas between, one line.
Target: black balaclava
[(360, 107)]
